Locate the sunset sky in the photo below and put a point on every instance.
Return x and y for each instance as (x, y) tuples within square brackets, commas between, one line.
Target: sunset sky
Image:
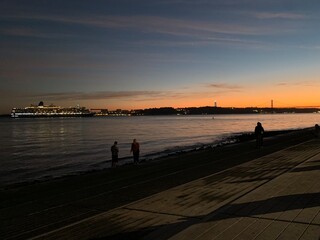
[(132, 54)]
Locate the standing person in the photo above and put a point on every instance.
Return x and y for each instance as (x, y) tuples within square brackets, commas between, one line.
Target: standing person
[(259, 131), (114, 152), (135, 149)]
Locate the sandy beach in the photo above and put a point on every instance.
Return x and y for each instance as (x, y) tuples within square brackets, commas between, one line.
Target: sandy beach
[(33, 209)]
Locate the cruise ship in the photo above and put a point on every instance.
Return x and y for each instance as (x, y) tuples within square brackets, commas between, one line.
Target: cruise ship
[(50, 111)]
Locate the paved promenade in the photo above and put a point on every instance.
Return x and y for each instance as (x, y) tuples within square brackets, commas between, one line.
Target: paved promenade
[(276, 196)]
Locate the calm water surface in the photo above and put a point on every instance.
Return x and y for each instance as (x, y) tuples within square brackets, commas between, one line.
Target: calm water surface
[(34, 149)]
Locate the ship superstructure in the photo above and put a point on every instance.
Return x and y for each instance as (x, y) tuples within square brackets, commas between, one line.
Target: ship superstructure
[(42, 110)]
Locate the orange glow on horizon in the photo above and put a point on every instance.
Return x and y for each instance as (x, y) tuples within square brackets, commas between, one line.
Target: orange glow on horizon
[(300, 97), (261, 102)]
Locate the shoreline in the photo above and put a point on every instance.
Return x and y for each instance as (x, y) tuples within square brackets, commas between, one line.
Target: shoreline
[(228, 140)]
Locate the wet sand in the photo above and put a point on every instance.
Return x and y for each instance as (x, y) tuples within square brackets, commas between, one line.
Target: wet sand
[(33, 209)]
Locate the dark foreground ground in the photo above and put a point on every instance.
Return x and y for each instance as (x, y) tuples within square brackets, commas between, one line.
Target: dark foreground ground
[(30, 210)]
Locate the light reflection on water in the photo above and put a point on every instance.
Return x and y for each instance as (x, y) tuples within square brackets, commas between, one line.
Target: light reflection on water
[(34, 148)]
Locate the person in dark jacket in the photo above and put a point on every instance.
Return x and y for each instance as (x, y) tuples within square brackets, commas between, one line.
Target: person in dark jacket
[(259, 131), (114, 152), (135, 149)]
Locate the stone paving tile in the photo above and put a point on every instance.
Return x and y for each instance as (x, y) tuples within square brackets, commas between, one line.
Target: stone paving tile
[(284, 208)]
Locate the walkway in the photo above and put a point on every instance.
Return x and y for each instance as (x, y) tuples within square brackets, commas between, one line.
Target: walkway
[(273, 197)]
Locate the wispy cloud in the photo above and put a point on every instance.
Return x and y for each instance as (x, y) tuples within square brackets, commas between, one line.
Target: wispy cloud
[(279, 15), (32, 32), (216, 3), (180, 31), (164, 25), (309, 47), (203, 40), (224, 86), (127, 95), (299, 84), (97, 95)]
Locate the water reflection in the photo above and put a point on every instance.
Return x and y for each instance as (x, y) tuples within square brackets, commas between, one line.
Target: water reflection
[(38, 147)]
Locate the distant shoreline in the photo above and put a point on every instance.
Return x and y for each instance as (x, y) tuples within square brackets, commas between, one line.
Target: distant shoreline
[(232, 112), (204, 110)]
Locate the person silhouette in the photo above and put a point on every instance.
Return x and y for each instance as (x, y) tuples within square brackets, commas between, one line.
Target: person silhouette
[(135, 149), (114, 153), (259, 131)]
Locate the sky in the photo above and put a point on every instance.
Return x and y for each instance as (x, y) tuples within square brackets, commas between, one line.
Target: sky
[(132, 54)]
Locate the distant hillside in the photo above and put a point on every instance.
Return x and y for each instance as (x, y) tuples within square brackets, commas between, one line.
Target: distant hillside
[(220, 110)]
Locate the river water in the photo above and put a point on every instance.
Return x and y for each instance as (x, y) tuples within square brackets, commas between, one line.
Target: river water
[(33, 149)]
